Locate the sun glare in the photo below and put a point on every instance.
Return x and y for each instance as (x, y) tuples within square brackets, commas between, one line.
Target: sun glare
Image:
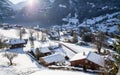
[(31, 2)]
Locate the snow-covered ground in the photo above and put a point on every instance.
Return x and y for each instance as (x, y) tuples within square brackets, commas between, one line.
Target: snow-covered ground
[(58, 72), (80, 49), (25, 64)]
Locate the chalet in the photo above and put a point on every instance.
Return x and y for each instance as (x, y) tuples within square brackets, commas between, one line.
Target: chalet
[(45, 51), (52, 59), (16, 43), (89, 60)]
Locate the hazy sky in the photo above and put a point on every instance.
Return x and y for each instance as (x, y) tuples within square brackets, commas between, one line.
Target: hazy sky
[(16, 1)]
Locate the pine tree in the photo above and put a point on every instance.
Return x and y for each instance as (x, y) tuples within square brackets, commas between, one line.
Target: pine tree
[(3, 45), (75, 38), (38, 54)]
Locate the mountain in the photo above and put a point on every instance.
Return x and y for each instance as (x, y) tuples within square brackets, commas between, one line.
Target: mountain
[(52, 12), (6, 10)]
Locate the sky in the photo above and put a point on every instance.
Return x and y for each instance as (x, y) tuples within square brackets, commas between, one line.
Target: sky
[(16, 1)]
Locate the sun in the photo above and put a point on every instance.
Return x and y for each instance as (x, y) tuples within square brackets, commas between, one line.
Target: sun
[(30, 2)]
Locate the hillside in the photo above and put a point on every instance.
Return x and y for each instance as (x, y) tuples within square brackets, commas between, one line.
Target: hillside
[(51, 12)]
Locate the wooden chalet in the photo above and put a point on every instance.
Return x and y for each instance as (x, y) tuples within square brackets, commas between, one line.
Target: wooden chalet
[(16, 43), (89, 60)]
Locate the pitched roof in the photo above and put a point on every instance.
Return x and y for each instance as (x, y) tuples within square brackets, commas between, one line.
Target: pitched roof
[(15, 41), (96, 58), (91, 56), (53, 58), (79, 56), (44, 50)]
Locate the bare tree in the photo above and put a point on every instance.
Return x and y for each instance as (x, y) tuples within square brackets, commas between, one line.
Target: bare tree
[(43, 37), (10, 57), (99, 39), (31, 38), (19, 33)]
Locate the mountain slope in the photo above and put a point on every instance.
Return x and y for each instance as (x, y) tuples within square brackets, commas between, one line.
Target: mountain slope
[(53, 11), (6, 10)]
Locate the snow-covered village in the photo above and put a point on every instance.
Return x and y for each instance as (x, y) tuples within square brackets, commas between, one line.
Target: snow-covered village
[(90, 47)]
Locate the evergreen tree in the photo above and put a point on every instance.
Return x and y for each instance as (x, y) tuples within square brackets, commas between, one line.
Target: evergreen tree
[(3, 45), (75, 38), (38, 54)]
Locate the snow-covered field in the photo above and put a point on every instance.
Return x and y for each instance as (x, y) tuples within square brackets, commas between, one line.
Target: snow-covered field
[(23, 65)]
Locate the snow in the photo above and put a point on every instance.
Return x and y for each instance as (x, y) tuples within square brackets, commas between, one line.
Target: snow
[(69, 53), (44, 50), (9, 33), (53, 58), (70, 19), (105, 7), (26, 65), (111, 41), (79, 56), (96, 58), (24, 61), (60, 51), (80, 49), (91, 56), (58, 72), (15, 41), (52, 1), (22, 64), (63, 6)]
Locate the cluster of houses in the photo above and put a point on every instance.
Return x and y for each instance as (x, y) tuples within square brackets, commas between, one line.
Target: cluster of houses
[(52, 55)]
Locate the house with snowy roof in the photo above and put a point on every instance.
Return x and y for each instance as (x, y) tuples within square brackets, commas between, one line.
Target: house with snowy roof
[(45, 51), (16, 43), (52, 59), (88, 60)]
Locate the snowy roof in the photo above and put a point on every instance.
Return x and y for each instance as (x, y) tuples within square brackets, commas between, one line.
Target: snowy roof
[(44, 50), (53, 58), (79, 56), (15, 41), (60, 51), (91, 56), (96, 58)]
